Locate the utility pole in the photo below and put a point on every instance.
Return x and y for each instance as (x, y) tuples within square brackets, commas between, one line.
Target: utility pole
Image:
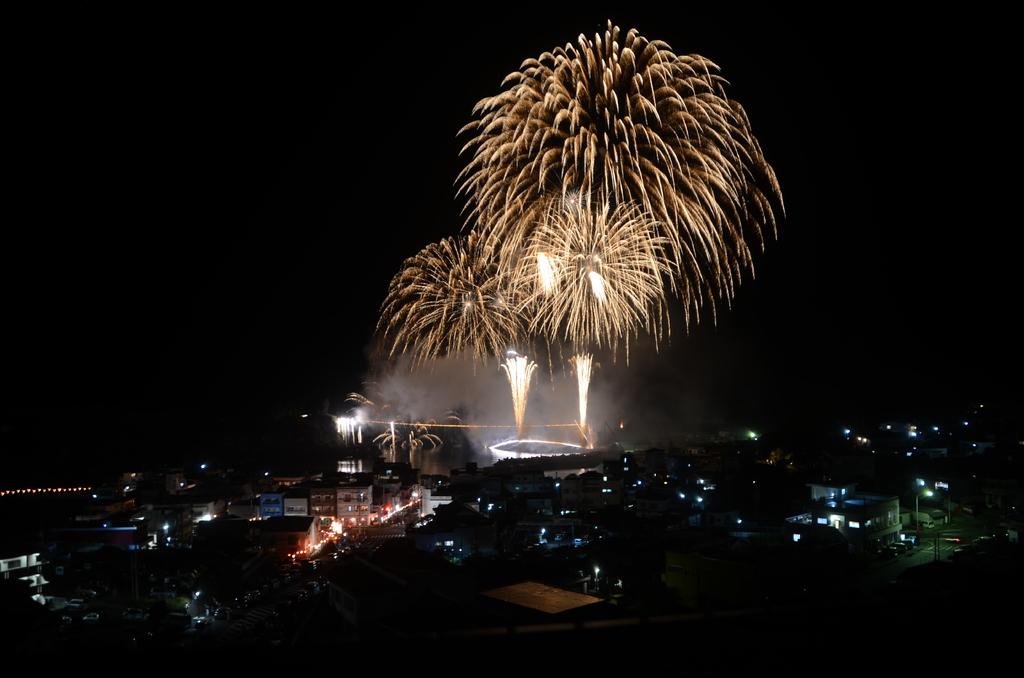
[(134, 575)]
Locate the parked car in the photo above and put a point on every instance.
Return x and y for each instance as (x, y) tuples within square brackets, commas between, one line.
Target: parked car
[(75, 604), (92, 618), (134, 614), (962, 551)]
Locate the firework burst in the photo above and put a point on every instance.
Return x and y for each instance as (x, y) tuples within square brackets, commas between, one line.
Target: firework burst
[(417, 437), (448, 299), (625, 119), (593, 277)]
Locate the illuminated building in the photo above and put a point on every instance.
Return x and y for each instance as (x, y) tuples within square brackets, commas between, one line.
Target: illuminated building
[(868, 521), (296, 502), (355, 503), (323, 503), (27, 568), (271, 505)]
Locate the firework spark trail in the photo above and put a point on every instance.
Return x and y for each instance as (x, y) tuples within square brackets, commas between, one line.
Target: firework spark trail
[(388, 439), (417, 437), (583, 363), (364, 405), (519, 371), (625, 119), (350, 429), (545, 273), (448, 299), (431, 424), (592, 275)]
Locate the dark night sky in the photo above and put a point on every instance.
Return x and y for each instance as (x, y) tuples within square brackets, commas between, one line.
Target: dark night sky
[(202, 217)]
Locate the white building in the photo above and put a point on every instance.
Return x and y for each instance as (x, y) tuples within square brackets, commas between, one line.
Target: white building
[(868, 521), (296, 502), (27, 568), (355, 504), (430, 499)]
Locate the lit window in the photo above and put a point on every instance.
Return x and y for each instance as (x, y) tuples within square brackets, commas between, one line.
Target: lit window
[(449, 542), (796, 537), (854, 523), (823, 521)]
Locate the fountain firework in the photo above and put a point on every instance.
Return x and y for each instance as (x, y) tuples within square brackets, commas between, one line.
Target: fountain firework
[(583, 363), (350, 429), (519, 371)]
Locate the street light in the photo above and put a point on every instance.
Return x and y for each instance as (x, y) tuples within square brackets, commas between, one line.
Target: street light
[(917, 517), (943, 485)]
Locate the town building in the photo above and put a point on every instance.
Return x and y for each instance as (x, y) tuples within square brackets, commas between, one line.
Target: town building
[(868, 521)]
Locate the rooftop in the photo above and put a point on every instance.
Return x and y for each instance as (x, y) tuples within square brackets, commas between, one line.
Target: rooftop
[(541, 597), (287, 524)]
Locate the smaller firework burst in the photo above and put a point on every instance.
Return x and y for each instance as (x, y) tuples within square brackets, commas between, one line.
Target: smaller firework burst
[(593, 275), (448, 299)]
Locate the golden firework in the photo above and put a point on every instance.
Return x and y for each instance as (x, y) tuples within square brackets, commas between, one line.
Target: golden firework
[(519, 370), (625, 119), (583, 364), (592, 276), (448, 299)]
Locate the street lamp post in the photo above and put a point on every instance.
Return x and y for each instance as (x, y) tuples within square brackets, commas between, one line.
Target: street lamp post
[(917, 516)]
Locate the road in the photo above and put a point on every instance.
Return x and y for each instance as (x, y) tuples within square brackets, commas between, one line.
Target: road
[(934, 546)]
